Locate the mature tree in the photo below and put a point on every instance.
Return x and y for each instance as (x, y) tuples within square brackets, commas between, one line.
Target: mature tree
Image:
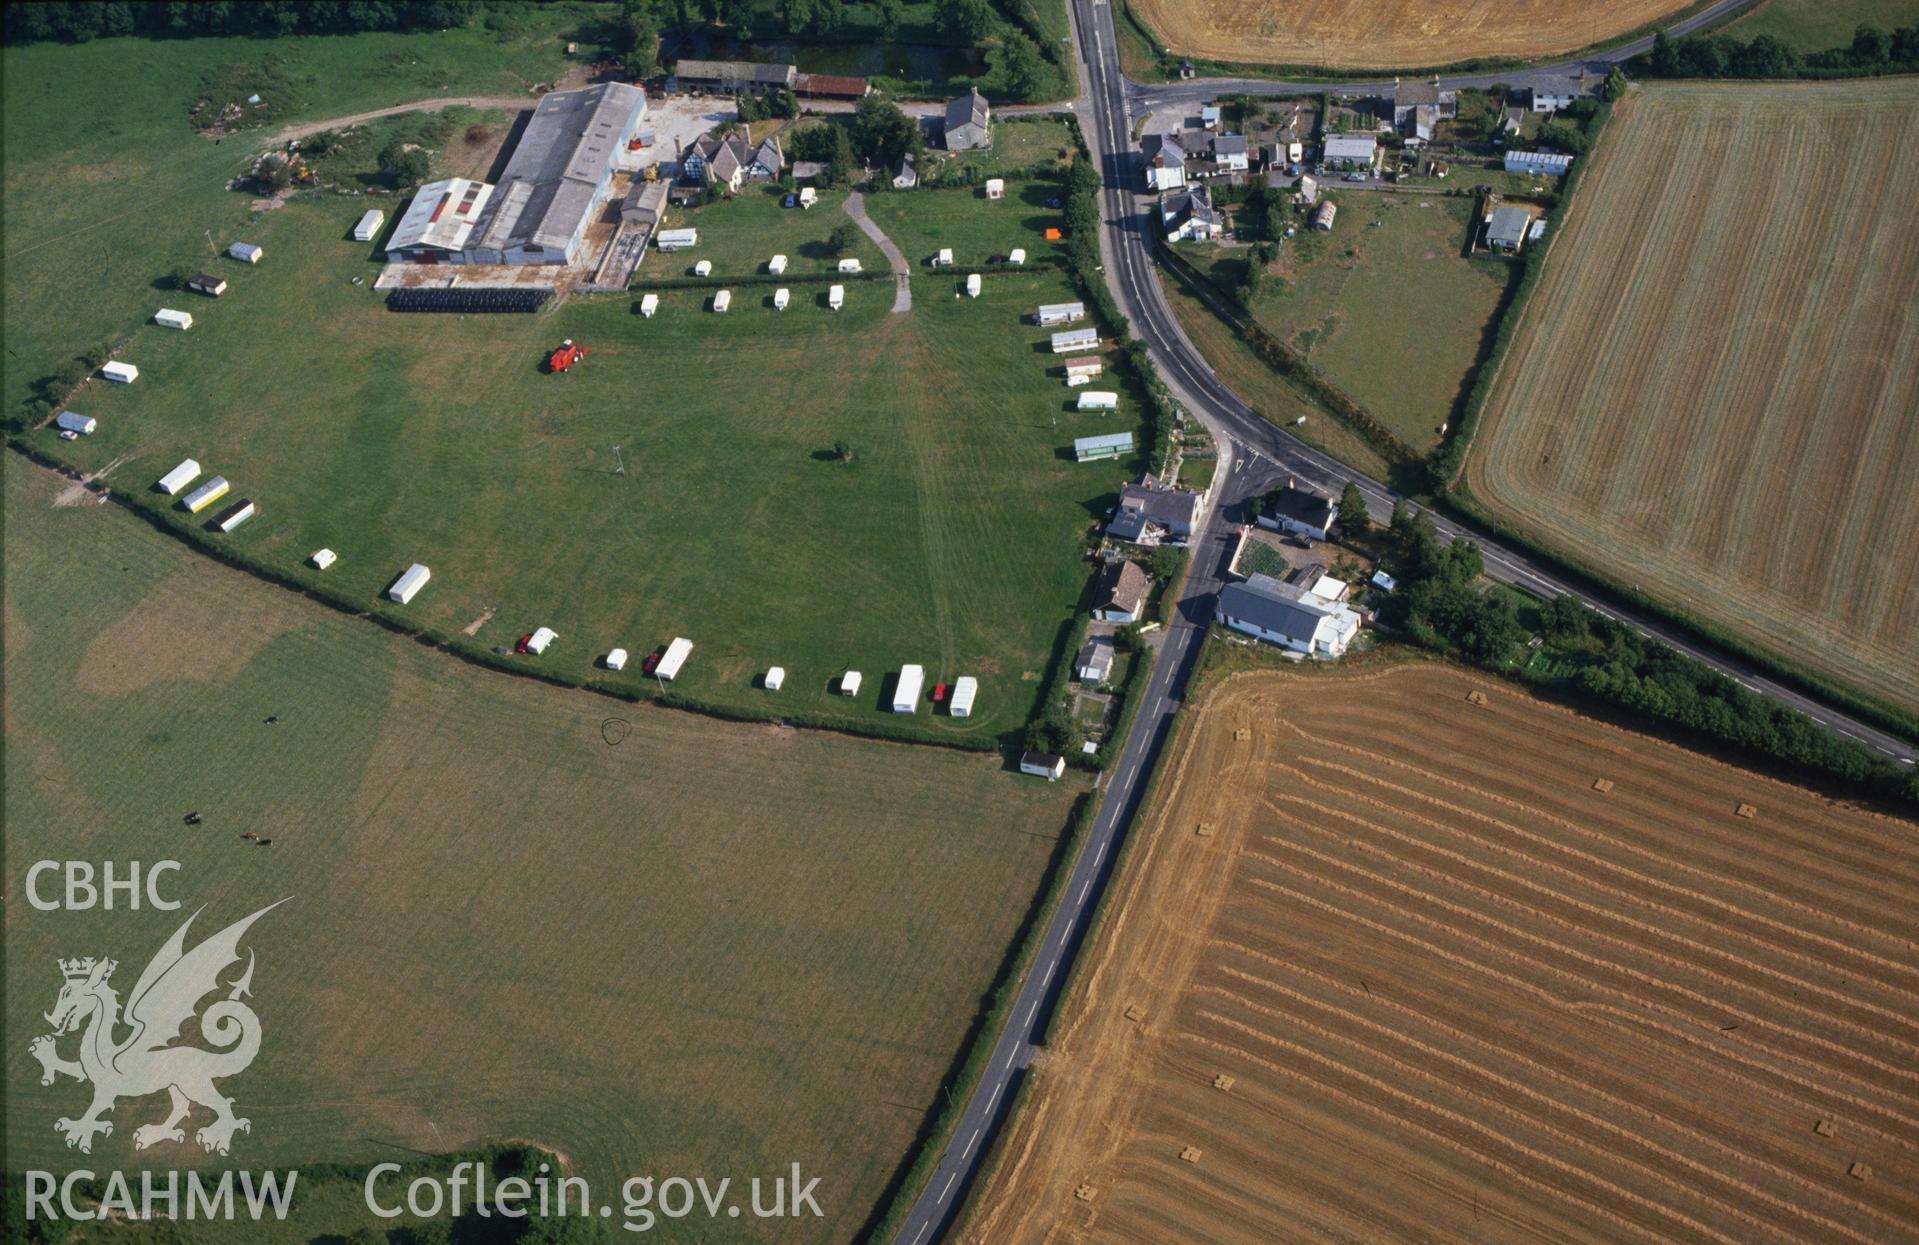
[(1023, 70), (272, 173), (1354, 518), (1617, 83), (1870, 46), (405, 163), (882, 133), (1168, 562), (844, 238), (969, 21), (891, 15)]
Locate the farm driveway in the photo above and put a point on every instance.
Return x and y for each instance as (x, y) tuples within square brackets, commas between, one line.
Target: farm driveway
[(855, 206), (510, 103)]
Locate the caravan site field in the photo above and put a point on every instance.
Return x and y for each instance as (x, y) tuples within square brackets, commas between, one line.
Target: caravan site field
[(1728, 436), (1363, 978), (644, 939), (1389, 34)]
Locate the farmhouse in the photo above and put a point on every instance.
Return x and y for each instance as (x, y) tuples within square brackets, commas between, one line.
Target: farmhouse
[(731, 161), (965, 691), (1075, 339), (168, 318), (1299, 511), (732, 77), (1506, 229), (1094, 664), (1165, 162), (211, 286), (1351, 151), (1042, 765), (1550, 94), (1538, 162), (408, 585), (1113, 445), (1188, 215), (1120, 593), (1152, 513), (967, 121), (437, 224), (369, 226), (1268, 610), (1410, 99), (1228, 152)]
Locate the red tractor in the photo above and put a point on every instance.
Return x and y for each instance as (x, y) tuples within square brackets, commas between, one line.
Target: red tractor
[(565, 357)]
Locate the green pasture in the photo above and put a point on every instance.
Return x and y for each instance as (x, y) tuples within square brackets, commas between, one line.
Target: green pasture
[(1820, 25)]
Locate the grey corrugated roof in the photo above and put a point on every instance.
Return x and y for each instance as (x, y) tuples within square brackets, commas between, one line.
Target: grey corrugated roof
[(1508, 225), (550, 182), (968, 109), (737, 71)]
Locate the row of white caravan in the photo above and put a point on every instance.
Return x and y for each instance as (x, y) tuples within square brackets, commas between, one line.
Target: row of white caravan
[(723, 300), (199, 498), (906, 691)]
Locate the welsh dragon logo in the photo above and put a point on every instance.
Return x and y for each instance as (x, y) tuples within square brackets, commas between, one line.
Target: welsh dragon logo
[(145, 1061)]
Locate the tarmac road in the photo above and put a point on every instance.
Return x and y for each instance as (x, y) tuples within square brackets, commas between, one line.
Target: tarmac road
[(1254, 456)]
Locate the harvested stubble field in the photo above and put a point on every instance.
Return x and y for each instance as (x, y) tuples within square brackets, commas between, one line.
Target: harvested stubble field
[(1424, 982), (1729, 432), (1353, 34), (648, 940)]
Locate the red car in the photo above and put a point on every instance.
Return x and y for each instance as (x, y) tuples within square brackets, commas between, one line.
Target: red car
[(939, 693), (519, 645), (652, 660)]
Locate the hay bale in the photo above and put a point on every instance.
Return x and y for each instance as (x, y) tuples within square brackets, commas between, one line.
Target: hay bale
[(1825, 1128), (1602, 785), (1135, 1013), (1859, 1171), (1205, 830), (1085, 1193), (1747, 811), (1477, 698), (1222, 1082), (1242, 734), (1191, 1154)]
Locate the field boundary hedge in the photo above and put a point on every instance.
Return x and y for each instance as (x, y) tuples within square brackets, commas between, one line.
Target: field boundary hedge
[(977, 1049)]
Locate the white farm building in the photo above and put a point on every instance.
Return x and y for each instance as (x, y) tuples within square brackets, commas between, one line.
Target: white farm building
[(553, 185)]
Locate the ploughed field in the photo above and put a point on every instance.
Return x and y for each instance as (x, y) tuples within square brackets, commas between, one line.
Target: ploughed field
[(1711, 395), (650, 941), (1385, 34), (1385, 965)]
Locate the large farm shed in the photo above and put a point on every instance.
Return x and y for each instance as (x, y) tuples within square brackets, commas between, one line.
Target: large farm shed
[(556, 179)]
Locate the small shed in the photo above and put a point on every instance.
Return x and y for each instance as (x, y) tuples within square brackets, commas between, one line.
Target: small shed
[(542, 636), (781, 297), (1088, 449), (849, 265), (1084, 366), (1059, 313), (233, 516), (775, 678), (722, 300), (212, 287), (322, 558), (1047, 765), (168, 318), (616, 660), (199, 499), (408, 585), (1099, 400), (675, 656), (1017, 255), (369, 226), (972, 285), (965, 689), (247, 252), (850, 683), (1075, 339), (173, 481), (836, 297), (996, 188), (74, 421), (944, 258), (776, 265), (676, 239), (120, 373), (649, 303), (906, 695), (703, 269)]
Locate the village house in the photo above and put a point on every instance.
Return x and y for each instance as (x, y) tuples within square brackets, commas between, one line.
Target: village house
[(1120, 594), (968, 121), (1094, 663), (1152, 513), (1287, 615), (1189, 215), (1299, 511), (731, 161), (1420, 100), (1165, 162)]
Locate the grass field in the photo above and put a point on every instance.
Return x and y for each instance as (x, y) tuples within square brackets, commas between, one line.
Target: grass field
[(923, 221), (647, 940), (1407, 989), (1353, 34), (1727, 435), (740, 234), (1263, 389), (1819, 25), (1402, 288)]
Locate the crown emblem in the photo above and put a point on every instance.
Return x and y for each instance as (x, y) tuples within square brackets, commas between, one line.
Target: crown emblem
[(78, 970)]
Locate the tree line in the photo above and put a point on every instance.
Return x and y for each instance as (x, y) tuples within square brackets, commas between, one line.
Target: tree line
[(1872, 51), (70, 21)]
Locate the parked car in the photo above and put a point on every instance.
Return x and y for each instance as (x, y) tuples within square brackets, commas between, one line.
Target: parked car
[(939, 693), (1355, 177), (1054, 203), (790, 200), (652, 660), (520, 645)]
